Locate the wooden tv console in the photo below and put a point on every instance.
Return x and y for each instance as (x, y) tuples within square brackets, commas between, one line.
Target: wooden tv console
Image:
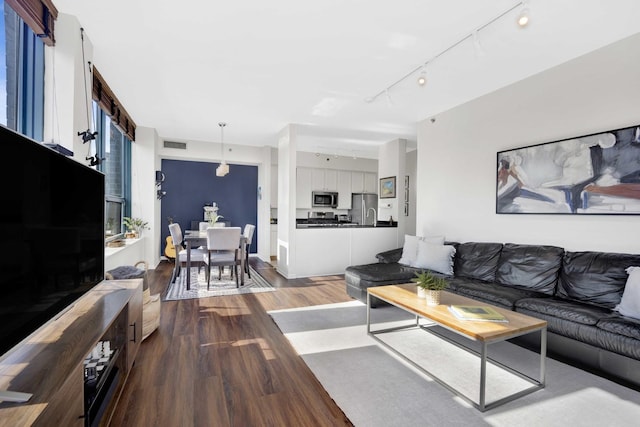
[(50, 364)]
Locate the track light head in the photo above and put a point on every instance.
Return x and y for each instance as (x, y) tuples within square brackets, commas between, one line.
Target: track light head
[(523, 16), (422, 78)]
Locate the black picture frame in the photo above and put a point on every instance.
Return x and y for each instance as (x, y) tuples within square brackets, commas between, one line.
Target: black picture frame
[(595, 174), (388, 187)]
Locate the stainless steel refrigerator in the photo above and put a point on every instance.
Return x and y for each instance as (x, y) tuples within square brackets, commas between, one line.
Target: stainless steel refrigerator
[(360, 204)]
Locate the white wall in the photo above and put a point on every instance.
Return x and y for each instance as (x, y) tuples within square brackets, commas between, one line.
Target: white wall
[(145, 204), (65, 112), (457, 152), (286, 201), (410, 220), (392, 162)]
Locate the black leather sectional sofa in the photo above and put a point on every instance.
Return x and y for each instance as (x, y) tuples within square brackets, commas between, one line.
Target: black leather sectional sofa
[(575, 292)]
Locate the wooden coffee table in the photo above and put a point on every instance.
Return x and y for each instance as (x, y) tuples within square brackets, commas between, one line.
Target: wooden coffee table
[(485, 333)]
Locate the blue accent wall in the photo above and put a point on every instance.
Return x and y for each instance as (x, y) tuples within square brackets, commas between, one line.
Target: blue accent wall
[(192, 185)]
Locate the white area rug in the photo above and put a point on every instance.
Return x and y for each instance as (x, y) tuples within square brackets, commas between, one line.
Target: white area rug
[(374, 387), (226, 286)]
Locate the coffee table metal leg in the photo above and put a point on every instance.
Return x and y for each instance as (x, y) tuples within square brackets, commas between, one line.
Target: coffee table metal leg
[(368, 313), (543, 357), (483, 376)]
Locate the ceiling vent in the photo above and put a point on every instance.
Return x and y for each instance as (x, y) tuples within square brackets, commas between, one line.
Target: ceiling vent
[(174, 144)]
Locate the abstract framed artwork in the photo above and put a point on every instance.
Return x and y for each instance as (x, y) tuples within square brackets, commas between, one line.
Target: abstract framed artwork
[(388, 187), (597, 174)]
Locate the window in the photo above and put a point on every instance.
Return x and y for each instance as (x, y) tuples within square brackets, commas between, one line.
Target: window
[(114, 150), (21, 76)]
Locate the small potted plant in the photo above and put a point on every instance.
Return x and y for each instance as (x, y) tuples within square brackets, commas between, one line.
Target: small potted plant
[(134, 227), (213, 218), (430, 286)]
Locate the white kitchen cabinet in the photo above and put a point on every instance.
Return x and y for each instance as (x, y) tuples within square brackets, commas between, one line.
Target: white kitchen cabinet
[(303, 188), (274, 186), (328, 251), (370, 182), (331, 180), (324, 180), (364, 182), (344, 189), (357, 182), (317, 179)]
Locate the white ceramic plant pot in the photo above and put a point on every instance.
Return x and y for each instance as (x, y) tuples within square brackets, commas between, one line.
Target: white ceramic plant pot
[(421, 293), (433, 297)]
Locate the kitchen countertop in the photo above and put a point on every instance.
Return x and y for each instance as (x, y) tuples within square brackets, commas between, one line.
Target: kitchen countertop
[(381, 224)]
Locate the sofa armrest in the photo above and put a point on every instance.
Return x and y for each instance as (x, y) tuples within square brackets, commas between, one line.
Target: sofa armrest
[(390, 256)]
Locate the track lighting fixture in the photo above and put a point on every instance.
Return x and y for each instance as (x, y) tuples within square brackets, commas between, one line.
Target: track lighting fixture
[(523, 20), (223, 169), (523, 16), (389, 100), (422, 78), (477, 46)]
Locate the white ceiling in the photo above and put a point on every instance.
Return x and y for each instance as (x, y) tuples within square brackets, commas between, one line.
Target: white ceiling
[(182, 67)]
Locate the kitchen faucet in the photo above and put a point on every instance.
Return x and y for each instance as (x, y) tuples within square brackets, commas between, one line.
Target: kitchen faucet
[(375, 216)]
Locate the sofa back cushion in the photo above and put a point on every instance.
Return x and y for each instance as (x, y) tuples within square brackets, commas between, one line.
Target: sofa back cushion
[(595, 277), (530, 266), (477, 260)]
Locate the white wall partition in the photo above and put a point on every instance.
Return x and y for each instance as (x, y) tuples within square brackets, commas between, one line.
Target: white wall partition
[(457, 152)]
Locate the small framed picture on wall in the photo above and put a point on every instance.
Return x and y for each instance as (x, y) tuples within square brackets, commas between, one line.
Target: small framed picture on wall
[(388, 187)]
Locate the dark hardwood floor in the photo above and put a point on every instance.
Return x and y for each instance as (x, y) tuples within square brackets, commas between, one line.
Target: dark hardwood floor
[(223, 362)]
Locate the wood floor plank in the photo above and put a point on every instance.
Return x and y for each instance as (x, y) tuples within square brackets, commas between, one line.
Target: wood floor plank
[(222, 361)]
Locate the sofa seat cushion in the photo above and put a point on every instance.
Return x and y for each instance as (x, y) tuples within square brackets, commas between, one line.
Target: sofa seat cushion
[(476, 260), (529, 266), (621, 325), (595, 277), (618, 343), (575, 312), (567, 328), (378, 273), (492, 293)]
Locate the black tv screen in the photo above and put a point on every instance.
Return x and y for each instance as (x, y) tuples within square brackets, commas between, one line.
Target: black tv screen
[(52, 232)]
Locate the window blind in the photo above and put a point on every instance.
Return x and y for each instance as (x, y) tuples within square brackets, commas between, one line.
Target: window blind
[(108, 102), (39, 15)]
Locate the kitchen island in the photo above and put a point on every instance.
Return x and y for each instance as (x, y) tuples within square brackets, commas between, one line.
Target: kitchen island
[(328, 250)]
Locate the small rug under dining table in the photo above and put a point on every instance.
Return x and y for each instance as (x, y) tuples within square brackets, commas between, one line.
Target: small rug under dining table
[(226, 286)]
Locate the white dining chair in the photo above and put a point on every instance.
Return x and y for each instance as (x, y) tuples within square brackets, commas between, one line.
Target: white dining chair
[(223, 248), (197, 255), (249, 230)]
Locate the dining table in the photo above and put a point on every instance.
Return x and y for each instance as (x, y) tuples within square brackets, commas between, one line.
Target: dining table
[(196, 238)]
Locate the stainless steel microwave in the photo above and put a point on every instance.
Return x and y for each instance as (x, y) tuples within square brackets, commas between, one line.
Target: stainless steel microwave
[(324, 199)]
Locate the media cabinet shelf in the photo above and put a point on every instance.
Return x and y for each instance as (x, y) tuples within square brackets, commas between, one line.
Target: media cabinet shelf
[(49, 364)]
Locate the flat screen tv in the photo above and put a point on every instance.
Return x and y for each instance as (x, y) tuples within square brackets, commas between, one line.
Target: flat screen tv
[(52, 233)]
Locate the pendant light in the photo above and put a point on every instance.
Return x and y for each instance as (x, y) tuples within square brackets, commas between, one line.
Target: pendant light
[(223, 169)]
